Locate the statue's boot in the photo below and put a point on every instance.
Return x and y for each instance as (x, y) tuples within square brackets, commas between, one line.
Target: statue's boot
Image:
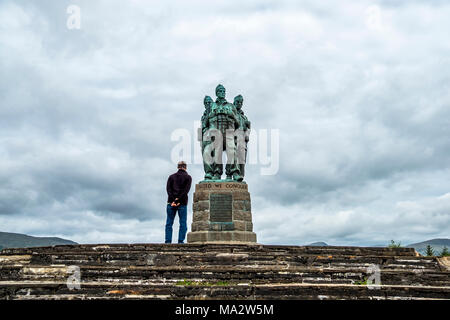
[(208, 176), (242, 170), (218, 170), (237, 177)]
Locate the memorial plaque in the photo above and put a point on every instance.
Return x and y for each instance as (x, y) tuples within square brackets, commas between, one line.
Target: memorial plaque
[(221, 207)]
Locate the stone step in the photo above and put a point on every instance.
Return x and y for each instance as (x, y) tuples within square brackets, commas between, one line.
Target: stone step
[(337, 266), (218, 248), (220, 271), (254, 275), (28, 290), (212, 258), (182, 260)]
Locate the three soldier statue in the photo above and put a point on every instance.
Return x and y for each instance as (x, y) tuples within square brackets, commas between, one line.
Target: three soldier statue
[(224, 128)]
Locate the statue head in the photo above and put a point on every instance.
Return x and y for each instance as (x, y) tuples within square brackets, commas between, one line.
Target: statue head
[(238, 101), (220, 91), (207, 102)]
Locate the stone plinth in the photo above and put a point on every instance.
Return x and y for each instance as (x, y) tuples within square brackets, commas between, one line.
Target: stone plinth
[(221, 213)]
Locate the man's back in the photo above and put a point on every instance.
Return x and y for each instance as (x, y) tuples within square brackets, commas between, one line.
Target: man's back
[(178, 186)]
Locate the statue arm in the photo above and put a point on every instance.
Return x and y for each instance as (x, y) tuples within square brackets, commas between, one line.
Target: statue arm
[(233, 113), (247, 130), (205, 129)]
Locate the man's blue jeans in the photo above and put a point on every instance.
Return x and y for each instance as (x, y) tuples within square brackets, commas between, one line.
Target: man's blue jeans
[(182, 214)]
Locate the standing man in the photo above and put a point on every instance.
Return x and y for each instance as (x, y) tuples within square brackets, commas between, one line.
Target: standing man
[(178, 186)]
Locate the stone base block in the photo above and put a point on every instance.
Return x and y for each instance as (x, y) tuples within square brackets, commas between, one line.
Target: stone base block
[(221, 236), (221, 213)]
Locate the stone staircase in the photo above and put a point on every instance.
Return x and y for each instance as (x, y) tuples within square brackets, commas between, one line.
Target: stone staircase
[(220, 271)]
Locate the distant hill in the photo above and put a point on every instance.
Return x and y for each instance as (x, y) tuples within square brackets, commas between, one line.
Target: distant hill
[(18, 240), (318, 244), (436, 244)]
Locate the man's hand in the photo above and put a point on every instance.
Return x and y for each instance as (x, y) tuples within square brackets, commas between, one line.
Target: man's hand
[(174, 203)]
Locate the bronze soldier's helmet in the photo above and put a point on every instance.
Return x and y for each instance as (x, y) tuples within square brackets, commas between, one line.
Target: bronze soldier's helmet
[(206, 100), (219, 86)]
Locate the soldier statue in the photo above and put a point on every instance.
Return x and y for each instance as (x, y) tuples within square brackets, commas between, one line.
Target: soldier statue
[(209, 169), (219, 128), (244, 132)]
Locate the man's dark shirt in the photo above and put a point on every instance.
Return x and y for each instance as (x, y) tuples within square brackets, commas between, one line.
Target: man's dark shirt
[(178, 186)]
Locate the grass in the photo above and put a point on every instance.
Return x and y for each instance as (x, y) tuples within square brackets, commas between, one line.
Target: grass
[(361, 283), (394, 244)]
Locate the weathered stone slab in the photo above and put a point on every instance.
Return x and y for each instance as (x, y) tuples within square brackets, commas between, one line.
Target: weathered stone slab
[(200, 216), (201, 205), (247, 205), (222, 226), (239, 225), (200, 226), (444, 262), (221, 236), (238, 205), (15, 259), (201, 195), (242, 215), (241, 195)]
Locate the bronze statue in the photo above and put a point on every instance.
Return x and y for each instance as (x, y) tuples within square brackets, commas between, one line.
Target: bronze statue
[(222, 125)]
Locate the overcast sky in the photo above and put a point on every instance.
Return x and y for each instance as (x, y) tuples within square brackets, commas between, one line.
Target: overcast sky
[(359, 91)]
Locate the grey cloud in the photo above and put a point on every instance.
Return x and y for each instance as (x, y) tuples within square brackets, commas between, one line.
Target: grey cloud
[(86, 115)]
